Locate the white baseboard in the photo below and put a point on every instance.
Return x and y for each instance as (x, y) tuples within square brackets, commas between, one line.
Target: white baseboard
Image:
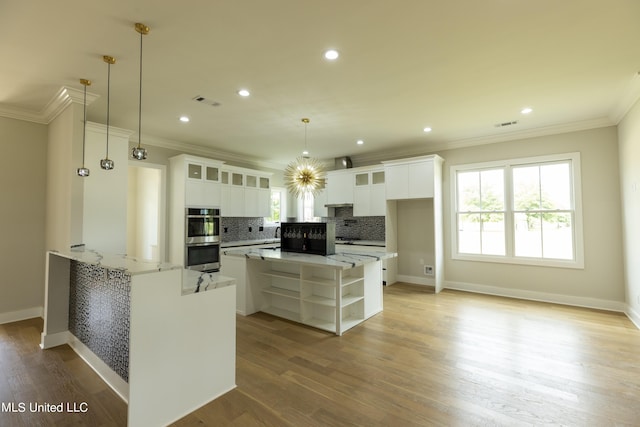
[(416, 280), (587, 302), (54, 340), (16, 316), (113, 380), (633, 315)]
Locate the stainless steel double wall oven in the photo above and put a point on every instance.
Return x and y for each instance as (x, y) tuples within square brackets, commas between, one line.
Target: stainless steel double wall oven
[(202, 239)]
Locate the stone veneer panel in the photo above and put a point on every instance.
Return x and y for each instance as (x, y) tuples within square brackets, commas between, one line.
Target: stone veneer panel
[(99, 313)]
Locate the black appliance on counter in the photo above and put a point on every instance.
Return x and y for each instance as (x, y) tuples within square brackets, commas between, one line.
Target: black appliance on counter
[(315, 238)]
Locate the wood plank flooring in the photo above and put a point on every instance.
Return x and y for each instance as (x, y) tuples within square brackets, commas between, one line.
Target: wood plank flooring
[(448, 359)]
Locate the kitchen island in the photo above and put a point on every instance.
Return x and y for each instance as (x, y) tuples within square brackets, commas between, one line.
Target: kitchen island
[(330, 292), (163, 338)]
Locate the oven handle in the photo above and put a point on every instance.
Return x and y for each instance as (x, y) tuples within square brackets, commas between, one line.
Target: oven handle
[(203, 244), (202, 216)]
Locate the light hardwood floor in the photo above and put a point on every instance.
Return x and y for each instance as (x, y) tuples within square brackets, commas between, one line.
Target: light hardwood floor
[(449, 359)]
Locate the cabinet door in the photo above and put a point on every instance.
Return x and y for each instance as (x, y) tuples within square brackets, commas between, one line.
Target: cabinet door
[(362, 201), (212, 194), (397, 182), (195, 193), (340, 188), (378, 201), (420, 180)]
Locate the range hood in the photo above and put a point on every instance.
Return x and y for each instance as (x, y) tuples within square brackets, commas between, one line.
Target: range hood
[(339, 205)]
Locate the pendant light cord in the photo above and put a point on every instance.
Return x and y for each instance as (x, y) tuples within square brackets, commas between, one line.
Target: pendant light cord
[(108, 102), (140, 98), (84, 123)]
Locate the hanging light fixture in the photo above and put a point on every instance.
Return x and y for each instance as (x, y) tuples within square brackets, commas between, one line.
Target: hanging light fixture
[(305, 174), (107, 163), (138, 152), (83, 172)]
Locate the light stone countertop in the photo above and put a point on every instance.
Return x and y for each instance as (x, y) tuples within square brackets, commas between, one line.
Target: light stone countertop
[(190, 278), (197, 281), (342, 259), (121, 262)]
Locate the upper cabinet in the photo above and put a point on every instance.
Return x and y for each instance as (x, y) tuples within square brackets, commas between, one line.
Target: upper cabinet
[(245, 192), (340, 187), (238, 192), (369, 191), (412, 178), (195, 181)]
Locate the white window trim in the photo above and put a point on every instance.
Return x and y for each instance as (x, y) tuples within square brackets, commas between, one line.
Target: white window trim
[(283, 207), (578, 238)]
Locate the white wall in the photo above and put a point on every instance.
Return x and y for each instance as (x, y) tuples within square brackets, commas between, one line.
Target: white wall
[(629, 143), (601, 282), (23, 165), (415, 237), (64, 188), (145, 214), (104, 226)]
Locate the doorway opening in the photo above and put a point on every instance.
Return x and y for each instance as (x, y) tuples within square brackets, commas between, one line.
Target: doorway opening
[(146, 207)]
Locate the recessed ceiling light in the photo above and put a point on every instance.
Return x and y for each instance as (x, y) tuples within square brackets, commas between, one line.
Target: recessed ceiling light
[(305, 153), (244, 92), (359, 142), (331, 54), (526, 110), (427, 129), (184, 119)]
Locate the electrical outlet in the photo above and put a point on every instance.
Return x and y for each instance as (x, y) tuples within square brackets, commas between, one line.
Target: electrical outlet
[(428, 270)]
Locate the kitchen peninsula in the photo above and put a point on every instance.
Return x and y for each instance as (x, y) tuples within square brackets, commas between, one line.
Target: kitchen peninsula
[(162, 337), (330, 292)]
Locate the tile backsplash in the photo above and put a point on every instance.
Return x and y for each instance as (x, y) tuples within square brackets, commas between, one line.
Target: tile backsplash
[(233, 229), (357, 227), (361, 227)]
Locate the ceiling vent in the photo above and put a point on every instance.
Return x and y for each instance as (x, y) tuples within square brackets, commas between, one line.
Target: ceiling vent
[(203, 100), (504, 124)]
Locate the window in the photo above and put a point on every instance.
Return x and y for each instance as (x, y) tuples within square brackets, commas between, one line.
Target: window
[(525, 211), (306, 208), (278, 207)]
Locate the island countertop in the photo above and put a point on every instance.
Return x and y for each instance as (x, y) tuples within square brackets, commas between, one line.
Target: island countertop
[(129, 265), (343, 259)]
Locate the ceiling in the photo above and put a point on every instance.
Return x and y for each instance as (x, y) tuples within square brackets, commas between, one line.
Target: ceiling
[(457, 66)]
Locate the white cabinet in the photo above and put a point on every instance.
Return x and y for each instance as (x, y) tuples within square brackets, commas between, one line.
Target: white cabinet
[(331, 299), (202, 184), (245, 192), (340, 187), (410, 178), (194, 182), (369, 192)]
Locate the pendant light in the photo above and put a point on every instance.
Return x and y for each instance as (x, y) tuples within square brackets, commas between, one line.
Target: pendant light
[(107, 163), (83, 171), (138, 152), (305, 174)]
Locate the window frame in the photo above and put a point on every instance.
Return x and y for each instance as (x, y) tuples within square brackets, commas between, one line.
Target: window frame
[(283, 207), (507, 165)]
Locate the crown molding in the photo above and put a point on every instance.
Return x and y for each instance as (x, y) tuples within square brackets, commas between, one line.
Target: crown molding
[(211, 152), (114, 131), (56, 105), (482, 140)]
